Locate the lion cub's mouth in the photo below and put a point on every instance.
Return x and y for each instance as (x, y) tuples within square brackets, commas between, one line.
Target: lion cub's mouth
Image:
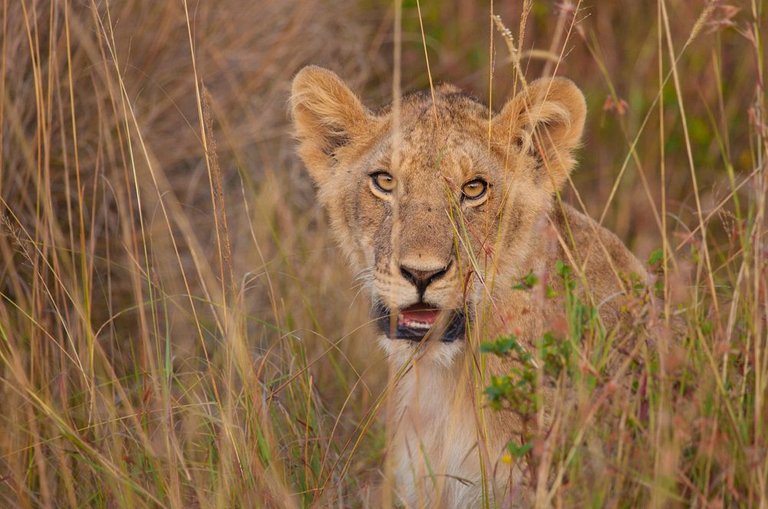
[(415, 322)]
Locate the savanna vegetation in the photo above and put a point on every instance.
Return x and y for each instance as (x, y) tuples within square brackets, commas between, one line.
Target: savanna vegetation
[(178, 330)]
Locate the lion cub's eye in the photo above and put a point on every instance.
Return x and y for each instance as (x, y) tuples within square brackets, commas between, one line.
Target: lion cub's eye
[(474, 189), (383, 181)]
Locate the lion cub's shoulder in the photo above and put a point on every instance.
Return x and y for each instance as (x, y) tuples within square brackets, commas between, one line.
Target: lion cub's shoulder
[(607, 263)]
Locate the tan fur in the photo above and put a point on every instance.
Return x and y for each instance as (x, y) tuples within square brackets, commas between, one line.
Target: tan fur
[(441, 440)]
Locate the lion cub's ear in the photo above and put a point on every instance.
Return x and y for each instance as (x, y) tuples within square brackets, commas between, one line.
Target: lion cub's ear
[(326, 116), (547, 121)]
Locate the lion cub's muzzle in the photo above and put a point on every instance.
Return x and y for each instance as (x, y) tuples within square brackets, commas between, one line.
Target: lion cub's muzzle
[(421, 321)]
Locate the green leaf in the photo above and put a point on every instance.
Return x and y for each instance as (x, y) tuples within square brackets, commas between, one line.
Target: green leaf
[(528, 282), (656, 256), (501, 346), (518, 451), (551, 293)]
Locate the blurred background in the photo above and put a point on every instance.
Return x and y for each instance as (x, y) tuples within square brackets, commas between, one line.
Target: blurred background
[(177, 327)]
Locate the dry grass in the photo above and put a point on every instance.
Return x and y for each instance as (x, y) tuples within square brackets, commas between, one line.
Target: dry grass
[(177, 330)]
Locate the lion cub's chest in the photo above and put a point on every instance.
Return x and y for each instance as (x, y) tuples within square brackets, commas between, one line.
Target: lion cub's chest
[(435, 445)]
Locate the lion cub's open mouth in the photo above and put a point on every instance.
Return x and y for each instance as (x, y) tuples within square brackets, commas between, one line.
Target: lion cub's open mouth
[(416, 321)]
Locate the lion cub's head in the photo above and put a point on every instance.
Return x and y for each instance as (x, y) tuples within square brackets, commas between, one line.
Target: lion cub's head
[(436, 218)]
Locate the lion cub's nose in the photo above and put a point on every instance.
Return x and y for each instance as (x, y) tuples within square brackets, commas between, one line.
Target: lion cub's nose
[(421, 279)]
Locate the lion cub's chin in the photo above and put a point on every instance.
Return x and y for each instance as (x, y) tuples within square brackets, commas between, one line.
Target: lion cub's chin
[(429, 351)]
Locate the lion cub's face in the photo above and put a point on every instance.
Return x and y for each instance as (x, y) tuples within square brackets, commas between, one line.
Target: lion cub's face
[(438, 217)]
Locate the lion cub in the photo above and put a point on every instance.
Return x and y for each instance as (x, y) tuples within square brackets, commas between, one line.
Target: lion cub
[(444, 211)]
